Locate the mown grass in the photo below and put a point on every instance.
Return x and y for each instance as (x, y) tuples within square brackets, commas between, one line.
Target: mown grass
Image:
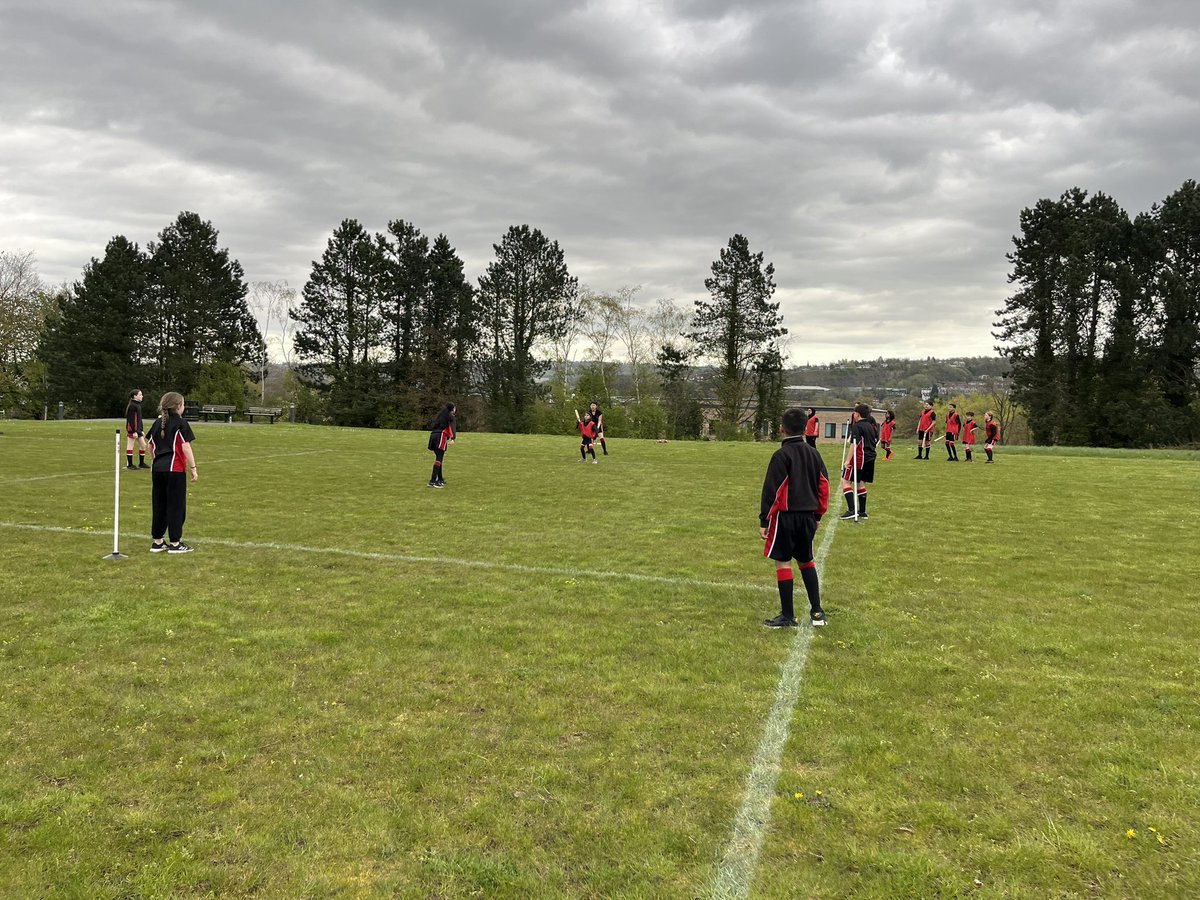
[(1008, 685)]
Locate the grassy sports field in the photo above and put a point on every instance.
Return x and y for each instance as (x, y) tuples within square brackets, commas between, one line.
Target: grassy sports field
[(550, 678)]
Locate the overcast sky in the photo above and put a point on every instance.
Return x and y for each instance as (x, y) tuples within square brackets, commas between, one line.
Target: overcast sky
[(878, 152)]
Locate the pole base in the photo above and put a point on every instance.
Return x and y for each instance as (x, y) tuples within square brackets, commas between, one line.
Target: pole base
[(115, 555)]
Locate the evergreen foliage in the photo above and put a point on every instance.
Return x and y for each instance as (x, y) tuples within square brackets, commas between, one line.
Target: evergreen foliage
[(1103, 330), (199, 314), (97, 350), (527, 300), (737, 324), (339, 328), (768, 378)]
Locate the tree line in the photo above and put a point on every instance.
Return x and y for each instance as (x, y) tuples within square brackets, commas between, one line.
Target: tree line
[(386, 328), (1103, 328)]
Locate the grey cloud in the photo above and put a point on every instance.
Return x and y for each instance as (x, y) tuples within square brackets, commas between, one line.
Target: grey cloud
[(878, 153)]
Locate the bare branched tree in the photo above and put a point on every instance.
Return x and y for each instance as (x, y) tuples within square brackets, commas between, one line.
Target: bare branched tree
[(271, 302), (667, 324), (633, 330), (563, 343), (600, 328), (21, 292)]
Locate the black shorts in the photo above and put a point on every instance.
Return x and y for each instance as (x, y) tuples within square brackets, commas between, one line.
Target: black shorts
[(951, 437), (866, 472), (790, 536), (924, 435)]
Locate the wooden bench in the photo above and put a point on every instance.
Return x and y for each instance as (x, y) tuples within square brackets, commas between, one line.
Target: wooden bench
[(266, 412), (218, 410)]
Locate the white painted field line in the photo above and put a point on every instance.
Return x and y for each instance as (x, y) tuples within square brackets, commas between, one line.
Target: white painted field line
[(207, 462), (428, 560), (736, 872)]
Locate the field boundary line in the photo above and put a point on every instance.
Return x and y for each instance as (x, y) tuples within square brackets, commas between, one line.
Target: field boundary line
[(411, 558), (207, 462), (735, 875)]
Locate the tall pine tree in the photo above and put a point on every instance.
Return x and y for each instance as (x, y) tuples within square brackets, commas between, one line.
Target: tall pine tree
[(96, 349), (525, 301), (403, 295), (339, 330), (1070, 263), (1172, 231), (736, 324), (449, 326), (200, 312)]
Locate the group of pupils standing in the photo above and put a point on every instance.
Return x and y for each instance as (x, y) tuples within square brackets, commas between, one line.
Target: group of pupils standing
[(956, 428), (795, 493)]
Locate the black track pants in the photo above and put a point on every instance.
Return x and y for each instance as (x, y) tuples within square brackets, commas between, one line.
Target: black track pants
[(168, 499)]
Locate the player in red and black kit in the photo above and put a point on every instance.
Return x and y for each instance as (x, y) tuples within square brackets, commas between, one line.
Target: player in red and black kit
[(968, 434), (885, 434), (991, 431), (953, 427), (925, 431), (587, 437), (596, 417), (813, 429), (135, 431), (860, 467), (444, 429), (795, 495), (170, 443)]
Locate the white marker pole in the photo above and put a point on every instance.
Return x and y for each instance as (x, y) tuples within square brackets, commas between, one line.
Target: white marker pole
[(854, 457), (117, 554)]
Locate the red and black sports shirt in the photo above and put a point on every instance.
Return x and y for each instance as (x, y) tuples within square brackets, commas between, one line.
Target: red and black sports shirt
[(166, 443)]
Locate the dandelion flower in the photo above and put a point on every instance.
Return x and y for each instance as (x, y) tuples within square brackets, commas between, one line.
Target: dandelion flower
[(1131, 834)]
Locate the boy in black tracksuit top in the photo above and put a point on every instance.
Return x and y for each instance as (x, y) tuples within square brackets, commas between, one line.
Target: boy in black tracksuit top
[(860, 468), (441, 435), (795, 495)]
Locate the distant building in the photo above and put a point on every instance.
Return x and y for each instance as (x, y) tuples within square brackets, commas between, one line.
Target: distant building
[(834, 420)]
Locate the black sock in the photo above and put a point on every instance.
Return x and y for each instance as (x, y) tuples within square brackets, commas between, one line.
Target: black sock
[(808, 572), (989, 455), (784, 577), (604, 446), (437, 473), (862, 503), (141, 459), (583, 452), (129, 458), (849, 495), (592, 450)]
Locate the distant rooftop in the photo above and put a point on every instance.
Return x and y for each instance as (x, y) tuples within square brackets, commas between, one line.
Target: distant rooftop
[(805, 387)]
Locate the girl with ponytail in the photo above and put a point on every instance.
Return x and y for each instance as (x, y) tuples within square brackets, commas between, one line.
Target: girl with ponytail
[(170, 441)]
